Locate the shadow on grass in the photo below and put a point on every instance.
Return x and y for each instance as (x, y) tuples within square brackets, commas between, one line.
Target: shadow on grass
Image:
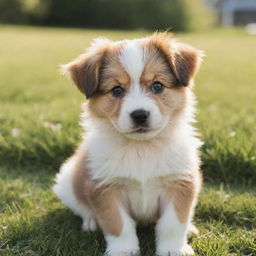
[(39, 158), (59, 233), (229, 169), (32, 175), (231, 205), (227, 163)]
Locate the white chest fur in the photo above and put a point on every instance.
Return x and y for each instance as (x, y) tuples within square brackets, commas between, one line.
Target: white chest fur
[(112, 156), (141, 166), (144, 198)]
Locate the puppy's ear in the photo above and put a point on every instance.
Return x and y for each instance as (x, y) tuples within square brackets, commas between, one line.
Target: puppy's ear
[(185, 62), (85, 70)]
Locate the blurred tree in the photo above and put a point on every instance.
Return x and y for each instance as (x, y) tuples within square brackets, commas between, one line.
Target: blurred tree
[(116, 14), (11, 11), (125, 14), (36, 10), (199, 15)]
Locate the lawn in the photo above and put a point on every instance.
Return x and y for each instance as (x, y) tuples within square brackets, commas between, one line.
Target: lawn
[(39, 129)]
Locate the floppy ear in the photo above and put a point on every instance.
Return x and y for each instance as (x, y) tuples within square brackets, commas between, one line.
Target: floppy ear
[(85, 70), (183, 59), (185, 63)]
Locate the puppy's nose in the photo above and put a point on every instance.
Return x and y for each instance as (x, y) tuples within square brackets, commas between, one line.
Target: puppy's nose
[(139, 116)]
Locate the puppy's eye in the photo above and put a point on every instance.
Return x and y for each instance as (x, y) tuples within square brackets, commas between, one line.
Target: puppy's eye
[(117, 91), (157, 87)]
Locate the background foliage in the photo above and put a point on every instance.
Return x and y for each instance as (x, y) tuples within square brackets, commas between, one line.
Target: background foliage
[(118, 14)]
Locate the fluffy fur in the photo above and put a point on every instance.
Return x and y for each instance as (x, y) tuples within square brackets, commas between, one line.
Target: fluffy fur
[(121, 175)]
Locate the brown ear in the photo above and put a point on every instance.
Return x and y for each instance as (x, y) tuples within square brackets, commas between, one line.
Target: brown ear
[(185, 61), (85, 70)]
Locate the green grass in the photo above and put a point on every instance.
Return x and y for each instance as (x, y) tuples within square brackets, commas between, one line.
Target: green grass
[(39, 129)]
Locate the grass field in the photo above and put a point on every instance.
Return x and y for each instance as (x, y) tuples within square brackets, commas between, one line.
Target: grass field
[(39, 113)]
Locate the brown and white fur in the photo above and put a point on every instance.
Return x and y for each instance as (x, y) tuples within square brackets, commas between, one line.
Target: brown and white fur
[(122, 173)]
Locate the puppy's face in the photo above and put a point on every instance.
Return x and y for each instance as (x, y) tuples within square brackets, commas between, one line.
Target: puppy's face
[(138, 85)]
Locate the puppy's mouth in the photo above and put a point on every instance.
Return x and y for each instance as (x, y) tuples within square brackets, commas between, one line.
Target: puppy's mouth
[(141, 130), (142, 133)]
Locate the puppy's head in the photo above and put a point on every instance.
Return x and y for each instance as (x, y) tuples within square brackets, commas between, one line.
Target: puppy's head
[(138, 85)]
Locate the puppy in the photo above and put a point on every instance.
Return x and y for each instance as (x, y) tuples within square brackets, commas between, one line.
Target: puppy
[(138, 160)]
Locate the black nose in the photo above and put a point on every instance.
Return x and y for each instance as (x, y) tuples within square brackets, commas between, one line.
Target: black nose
[(140, 116)]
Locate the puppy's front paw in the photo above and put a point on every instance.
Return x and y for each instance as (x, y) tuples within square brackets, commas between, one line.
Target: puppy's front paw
[(89, 224), (192, 230), (185, 251)]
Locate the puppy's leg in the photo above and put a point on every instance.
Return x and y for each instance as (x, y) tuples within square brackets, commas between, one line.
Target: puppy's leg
[(63, 188), (89, 223), (192, 230), (171, 234), (118, 227), (68, 187), (176, 212)]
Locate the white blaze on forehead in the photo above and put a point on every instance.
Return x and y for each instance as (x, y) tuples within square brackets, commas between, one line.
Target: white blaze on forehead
[(132, 59)]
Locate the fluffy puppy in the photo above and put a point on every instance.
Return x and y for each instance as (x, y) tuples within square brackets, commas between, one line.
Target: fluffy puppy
[(138, 161)]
